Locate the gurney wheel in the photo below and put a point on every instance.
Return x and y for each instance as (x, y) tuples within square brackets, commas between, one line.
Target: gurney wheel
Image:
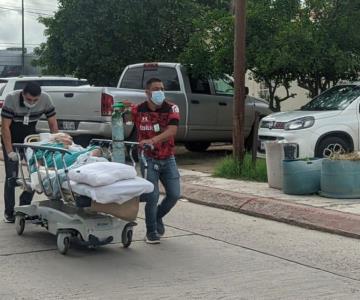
[(126, 236), (19, 224), (63, 242)]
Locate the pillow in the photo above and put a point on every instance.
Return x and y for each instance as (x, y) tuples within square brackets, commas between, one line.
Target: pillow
[(101, 173)]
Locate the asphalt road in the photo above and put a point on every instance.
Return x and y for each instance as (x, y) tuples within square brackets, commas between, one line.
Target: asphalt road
[(207, 253)]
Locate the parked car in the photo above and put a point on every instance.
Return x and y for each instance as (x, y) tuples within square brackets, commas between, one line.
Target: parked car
[(328, 123), (205, 105)]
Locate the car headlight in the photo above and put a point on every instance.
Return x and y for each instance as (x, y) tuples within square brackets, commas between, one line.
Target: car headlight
[(300, 123)]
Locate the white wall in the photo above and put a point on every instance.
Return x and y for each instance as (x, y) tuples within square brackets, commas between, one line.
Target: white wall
[(299, 100)]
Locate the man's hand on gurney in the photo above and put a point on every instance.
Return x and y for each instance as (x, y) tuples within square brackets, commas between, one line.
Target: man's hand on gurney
[(13, 156), (148, 143)]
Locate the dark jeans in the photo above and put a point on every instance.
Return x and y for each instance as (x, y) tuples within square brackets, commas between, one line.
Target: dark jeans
[(166, 171), (11, 171)]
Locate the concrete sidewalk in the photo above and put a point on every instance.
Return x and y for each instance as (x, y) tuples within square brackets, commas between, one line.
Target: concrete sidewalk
[(337, 216)]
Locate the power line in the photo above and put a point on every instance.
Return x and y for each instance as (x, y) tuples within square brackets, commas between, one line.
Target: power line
[(14, 43), (50, 8), (26, 11)]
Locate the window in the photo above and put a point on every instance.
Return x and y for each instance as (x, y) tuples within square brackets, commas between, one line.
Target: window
[(200, 86), (336, 98), (166, 74), (19, 85), (223, 87), (132, 78)]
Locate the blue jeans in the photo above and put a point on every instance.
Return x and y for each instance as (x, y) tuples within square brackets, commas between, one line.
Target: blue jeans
[(166, 171)]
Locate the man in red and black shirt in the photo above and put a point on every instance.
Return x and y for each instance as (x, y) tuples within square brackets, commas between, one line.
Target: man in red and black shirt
[(156, 121)]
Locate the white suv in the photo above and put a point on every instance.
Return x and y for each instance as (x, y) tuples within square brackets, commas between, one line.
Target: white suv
[(330, 122)]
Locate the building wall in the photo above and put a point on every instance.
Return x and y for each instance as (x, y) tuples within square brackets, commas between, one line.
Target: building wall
[(10, 63)]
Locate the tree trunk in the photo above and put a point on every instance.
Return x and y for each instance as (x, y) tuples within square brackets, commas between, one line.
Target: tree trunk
[(239, 76)]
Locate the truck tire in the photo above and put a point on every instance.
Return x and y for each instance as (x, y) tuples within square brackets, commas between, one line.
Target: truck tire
[(332, 143), (197, 146)]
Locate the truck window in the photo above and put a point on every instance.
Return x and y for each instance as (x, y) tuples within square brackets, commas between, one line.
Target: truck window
[(19, 85), (132, 79), (222, 87), (200, 86), (167, 75)]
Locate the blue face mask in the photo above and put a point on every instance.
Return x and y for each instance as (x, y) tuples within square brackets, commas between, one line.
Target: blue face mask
[(158, 97)]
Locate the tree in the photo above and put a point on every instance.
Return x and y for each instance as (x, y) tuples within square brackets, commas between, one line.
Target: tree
[(210, 49), (269, 45), (329, 43), (97, 39)]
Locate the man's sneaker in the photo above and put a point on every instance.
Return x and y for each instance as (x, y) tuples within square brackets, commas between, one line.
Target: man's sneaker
[(152, 238), (160, 228), (9, 219)]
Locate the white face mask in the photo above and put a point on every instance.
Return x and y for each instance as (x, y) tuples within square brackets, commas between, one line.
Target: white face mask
[(28, 105)]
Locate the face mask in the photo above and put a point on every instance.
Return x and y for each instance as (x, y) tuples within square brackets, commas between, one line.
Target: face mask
[(28, 105), (158, 97)]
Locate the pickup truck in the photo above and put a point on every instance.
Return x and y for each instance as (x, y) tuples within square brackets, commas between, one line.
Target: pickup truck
[(205, 105)]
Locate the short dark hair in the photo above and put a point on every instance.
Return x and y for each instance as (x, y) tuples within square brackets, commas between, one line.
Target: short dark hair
[(32, 88), (151, 81)]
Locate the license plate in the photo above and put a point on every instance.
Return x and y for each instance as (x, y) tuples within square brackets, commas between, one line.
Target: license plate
[(262, 146), (67, 125)]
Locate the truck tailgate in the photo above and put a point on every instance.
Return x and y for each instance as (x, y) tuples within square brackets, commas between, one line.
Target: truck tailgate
[(78, 104)]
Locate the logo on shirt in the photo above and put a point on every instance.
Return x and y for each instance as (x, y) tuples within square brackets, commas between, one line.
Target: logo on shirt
[(175, 109), (146, 128), (144, 119)]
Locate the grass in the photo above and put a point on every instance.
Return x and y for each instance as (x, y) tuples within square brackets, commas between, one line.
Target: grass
[(232, 169)]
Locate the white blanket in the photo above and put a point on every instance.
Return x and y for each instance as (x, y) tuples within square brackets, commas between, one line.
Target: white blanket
[(119, 192), (101, 173)]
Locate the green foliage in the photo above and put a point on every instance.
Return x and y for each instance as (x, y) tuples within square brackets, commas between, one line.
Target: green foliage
[(97, 39), (315, 42), (329, 44), (208, 52), (233, 169)]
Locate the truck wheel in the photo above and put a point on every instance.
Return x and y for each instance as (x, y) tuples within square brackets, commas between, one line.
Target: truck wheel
[(330, 145), (197, 146)]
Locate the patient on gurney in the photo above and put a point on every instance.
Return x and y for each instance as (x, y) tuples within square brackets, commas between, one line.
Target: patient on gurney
[(89, 174), (65, 141)]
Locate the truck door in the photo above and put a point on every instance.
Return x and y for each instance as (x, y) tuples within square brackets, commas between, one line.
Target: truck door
[(202, 110), (224, 93)]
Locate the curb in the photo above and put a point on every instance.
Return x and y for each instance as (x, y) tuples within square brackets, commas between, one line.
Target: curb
[(321, 219)]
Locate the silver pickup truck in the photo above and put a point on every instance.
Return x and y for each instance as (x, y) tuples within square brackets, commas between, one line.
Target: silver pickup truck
[(205, 105)]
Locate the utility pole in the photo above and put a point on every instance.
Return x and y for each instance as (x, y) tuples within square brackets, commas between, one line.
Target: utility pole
[(239, 76), (23, 39)]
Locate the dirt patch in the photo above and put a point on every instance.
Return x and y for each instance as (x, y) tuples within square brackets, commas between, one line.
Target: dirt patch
[(202, 161)]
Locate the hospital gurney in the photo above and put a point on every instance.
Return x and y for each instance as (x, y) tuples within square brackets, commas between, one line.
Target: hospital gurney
[(67, 214)]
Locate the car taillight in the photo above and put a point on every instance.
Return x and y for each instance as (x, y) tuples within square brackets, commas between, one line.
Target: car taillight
[(107, 102), (151, 66)]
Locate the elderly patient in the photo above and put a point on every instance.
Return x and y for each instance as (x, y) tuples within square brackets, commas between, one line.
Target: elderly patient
[(64, 141)]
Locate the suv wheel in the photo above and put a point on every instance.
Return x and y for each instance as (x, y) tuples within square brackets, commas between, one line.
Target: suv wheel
[(331, 145)]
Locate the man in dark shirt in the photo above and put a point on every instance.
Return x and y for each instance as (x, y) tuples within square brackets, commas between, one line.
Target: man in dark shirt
[(19, 115), (156, 122)]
